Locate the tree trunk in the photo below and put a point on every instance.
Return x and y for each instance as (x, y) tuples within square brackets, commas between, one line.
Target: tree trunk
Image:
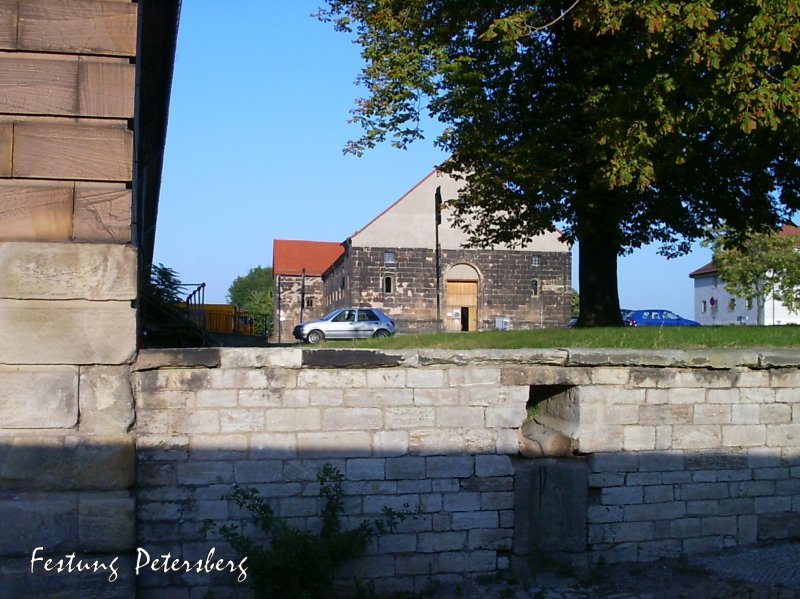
[(597, 276)]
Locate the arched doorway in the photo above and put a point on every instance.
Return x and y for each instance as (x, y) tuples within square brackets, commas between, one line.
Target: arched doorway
[(461, 298)]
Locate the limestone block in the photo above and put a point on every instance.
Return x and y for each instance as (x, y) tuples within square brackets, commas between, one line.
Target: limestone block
[(437, 442), (31, 270), (377, 396), (259, 357), (38, 397), (493, 465), (340, 444), (390, 443), (505, 416), (102, 213), (344, 419), (460, 417), (744, 435), (665, 414), (71, 332), (69, 463), (711, 414), (294, 419), (784, 435), (106, 400), (705, 436), (544, 375), (639, 438), (30, 520), (107, 522), (151, 359)]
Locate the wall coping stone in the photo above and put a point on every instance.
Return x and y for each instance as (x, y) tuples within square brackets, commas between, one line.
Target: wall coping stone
[(302, 356), (153, 359)]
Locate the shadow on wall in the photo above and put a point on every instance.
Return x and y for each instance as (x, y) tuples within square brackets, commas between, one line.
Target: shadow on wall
[(473, 513)]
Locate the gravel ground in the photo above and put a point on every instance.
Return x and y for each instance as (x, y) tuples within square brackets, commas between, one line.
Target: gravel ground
[(761, 572)]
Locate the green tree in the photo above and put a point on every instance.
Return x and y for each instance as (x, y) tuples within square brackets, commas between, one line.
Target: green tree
[(625, 123), (254, 292), (760, 266)]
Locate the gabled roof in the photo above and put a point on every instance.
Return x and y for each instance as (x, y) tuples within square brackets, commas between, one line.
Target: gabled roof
[(704, 271), (291, 257)]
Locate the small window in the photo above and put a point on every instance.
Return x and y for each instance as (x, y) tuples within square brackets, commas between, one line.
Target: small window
[(389, 258), (536, 261), (343, 283), (366, 316), (703, 307), (388, 284), (309, 302), (535, 286)]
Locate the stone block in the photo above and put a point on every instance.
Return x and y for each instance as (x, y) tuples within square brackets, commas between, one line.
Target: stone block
[(339, 444), (406, 467), (450, 466), (505, 416), (424, 378), (102, 213), (334, 379), (150, 359), (106, 401), (744, 436), (68, 463), (436, 397), (639, 438), (628, 495), (107, 522), (272, 445), (493, 465), (614, 462), (786, 377), (661, 461), (193, 422), (31, 520), (775, 414), (778, 526), (410, 417), (745, 414), (544, 375), (72, 332), (378, 397), (38, 397), (459, 417), (261, 357), (62, 271), (435, 542), (711, 413), (241, 420), (294, 419), (344, 419), (783, 435), (32, 210), (366, 469), (706, 436), (390, 443), (701, 491)]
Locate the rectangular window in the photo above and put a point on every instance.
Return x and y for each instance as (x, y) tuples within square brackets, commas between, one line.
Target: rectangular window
[(536, 261), (309, 302), (389, 258), (703, 307)]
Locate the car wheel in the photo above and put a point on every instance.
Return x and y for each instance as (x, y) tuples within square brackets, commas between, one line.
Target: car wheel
[(315, 337), (381, 333)]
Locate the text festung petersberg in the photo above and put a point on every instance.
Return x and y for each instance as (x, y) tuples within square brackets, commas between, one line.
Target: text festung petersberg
[(165, 563)]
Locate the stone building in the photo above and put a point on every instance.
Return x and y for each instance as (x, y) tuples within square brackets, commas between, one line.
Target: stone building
[(391, 264), (297, 268)]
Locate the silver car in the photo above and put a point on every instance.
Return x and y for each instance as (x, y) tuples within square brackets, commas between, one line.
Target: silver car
[(346, 323)]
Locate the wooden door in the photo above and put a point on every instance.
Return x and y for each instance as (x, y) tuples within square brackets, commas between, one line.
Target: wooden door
[(461, 312)]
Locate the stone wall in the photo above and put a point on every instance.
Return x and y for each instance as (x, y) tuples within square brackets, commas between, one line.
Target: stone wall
[(504, 285), (67, 284), (669, 452)]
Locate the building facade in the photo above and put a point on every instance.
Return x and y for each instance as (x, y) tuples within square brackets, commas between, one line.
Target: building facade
[(393, 264), (297, 268), (714, 305)]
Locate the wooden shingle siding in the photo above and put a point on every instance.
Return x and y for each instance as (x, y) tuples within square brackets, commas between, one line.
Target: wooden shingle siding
[(31, 210), (77, 27), (81, 152), (47, 84)]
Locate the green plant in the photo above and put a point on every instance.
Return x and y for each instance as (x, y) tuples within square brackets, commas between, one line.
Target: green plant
[(295, 563)]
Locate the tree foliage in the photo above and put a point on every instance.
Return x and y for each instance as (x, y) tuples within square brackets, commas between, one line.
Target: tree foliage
[(254, 292), (625, 123), (763, 265)]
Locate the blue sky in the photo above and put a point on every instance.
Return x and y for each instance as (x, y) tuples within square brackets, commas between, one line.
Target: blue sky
[(258, 118)]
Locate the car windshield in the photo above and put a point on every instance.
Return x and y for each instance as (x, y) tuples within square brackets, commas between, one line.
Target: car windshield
[(331, 314)]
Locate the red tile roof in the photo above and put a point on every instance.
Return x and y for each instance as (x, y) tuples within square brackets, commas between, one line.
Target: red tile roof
[(290, 257)]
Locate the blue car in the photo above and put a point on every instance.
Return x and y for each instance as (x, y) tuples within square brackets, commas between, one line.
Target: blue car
[(657, 318)]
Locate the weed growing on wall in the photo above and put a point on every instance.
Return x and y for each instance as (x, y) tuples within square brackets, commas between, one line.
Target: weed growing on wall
[(295, 563)]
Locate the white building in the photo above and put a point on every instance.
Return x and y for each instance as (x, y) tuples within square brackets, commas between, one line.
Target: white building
[(714, 305)]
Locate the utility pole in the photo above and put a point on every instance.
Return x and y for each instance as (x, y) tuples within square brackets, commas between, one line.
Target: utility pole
[(438, 254), (302, 294)]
